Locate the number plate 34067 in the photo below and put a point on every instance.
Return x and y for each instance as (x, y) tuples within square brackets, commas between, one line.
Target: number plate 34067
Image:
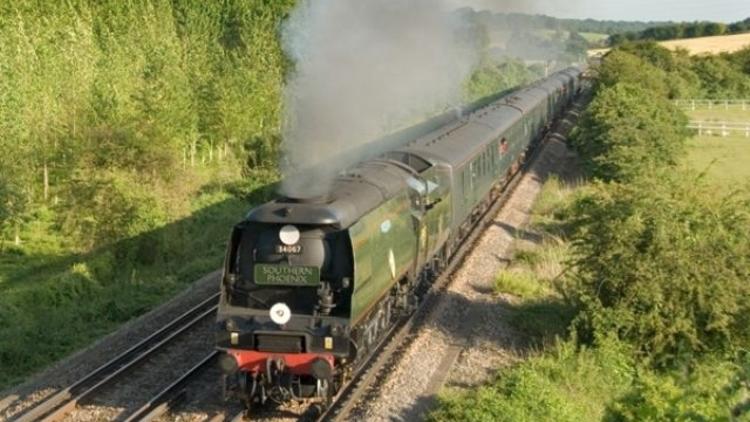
[(289, 249)]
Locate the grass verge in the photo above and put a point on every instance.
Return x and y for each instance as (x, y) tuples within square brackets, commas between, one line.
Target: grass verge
[(54, 301), (569, 382)]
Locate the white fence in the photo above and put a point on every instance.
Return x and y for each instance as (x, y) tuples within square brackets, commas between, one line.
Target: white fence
[(711, 128), (713, 104)]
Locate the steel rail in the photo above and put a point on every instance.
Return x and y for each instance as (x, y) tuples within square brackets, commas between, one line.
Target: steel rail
[(61, 403), (166, 398), (402, 334)]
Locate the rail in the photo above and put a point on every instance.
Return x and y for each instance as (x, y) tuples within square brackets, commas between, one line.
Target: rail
[(399, 336), (723, 129), (727, 104), (161, 403), (63, 402)]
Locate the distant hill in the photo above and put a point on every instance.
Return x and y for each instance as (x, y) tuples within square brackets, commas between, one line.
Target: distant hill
[(522, 21), (525, 21), (541, 38)]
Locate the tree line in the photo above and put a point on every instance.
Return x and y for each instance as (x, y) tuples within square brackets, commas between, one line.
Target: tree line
[(514, 21), (678, 74), (674, 31)]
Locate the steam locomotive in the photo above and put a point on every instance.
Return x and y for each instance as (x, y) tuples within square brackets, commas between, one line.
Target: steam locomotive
[(311, 284)]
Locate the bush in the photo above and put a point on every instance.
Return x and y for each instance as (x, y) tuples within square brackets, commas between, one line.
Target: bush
[(663, 263), (712, 392), (112, 207), (623, 67), (719, 79), (493, 76), (565, 385), (628, 131)]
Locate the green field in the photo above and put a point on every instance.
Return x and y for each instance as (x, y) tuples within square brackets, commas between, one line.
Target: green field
[(594, 37), (591, 37), (724, 159), (733, 113)]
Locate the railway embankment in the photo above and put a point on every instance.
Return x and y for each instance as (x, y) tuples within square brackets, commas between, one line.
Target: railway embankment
[(20, 400), (653, 290), (468, 335)]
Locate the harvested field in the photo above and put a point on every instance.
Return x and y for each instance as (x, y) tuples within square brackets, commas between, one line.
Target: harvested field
[(703, 45)]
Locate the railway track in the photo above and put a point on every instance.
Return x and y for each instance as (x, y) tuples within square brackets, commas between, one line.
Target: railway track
[(373, 372), (345, 404), (59, 405), (397, 340), (163, 401)]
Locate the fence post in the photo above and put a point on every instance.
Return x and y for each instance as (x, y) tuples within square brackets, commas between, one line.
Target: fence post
[(723, 130), (726, 105), (710, 104), (743, 105), (693, 105), (700, 128)]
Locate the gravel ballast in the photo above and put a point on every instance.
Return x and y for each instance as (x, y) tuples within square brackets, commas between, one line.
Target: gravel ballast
[(15, 401), (466, 338), (463, 340)]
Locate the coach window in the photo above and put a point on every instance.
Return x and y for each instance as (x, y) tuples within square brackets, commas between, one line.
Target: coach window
[(503, 146)]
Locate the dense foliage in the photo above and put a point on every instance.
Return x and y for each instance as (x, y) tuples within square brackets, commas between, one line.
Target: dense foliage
[(664, 264), (134, 134), (493, 76), (677, 74), (627, 130), (681, 30), (660, 259), (144, 92)]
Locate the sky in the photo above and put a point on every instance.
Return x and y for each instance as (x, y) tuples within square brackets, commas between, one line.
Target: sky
[(642, 10)]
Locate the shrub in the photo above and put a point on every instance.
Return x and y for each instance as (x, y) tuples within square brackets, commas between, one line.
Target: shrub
[(566, 385), (623, 67), (628, 131), (111, 207), (712, 392), (719, 79), (663, 263)]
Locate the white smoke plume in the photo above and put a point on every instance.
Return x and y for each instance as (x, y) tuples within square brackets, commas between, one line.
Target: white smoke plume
[(363, 69)]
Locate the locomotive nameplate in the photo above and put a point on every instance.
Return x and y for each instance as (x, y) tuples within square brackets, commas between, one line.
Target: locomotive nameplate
[(285, 275), (289, 249)]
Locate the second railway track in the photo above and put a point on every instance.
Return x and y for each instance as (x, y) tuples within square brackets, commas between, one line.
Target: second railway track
[(372, 373), (155, 399), (367, 377), (116, 372)]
